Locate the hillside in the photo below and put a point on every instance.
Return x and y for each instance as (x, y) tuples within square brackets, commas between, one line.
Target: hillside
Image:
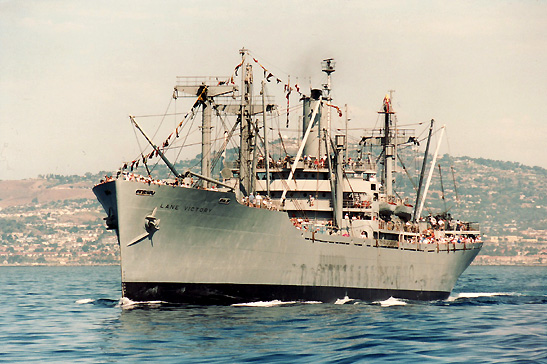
[(57, 220), (508, 199), (24, 192)]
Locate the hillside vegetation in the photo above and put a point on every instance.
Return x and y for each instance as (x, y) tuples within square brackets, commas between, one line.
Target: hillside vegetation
[(508, 199)]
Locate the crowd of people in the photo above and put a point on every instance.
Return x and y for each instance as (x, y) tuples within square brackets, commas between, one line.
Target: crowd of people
[(451, 239), (444, 222), (286, 162), (428, 236), (128, 176), (259, 201), (310, 162)]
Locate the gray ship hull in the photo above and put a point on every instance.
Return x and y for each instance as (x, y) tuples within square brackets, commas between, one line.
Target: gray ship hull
[(211, 249)]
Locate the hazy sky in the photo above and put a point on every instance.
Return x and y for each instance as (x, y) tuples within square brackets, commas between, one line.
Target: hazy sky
[(72, 71)]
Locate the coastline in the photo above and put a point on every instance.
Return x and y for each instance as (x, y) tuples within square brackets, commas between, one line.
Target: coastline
[(537, 260)]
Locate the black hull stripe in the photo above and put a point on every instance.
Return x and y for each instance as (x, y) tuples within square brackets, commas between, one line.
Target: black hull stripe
[(225, 294)]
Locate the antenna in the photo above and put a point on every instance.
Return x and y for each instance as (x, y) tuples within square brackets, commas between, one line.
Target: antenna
[(327, 66)]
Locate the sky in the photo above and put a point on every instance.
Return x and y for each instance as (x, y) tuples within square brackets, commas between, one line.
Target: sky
[(72, 71)]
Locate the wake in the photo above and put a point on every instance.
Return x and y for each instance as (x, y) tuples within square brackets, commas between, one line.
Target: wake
[(463, 295)]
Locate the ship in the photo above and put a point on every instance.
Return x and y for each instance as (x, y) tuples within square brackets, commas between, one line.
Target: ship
[(316, 223)]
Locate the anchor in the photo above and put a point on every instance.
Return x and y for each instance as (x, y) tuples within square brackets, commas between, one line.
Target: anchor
[(111, 220), (151, 225)]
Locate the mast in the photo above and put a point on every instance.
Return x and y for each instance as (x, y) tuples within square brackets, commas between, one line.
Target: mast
[(346, 140), (328, 67), (388, 147), (388, 154), (339, 187), (246, 132), (206, 138), (335, 164), (266, 152), (424, 163), (442, 188), (395, 138), (431, 171), (254, 159)]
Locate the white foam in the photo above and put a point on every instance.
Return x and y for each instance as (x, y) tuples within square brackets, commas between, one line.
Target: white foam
[(391, 301), (342, 301), (264, 303), (476, 295), (83, 301), (127, 303)]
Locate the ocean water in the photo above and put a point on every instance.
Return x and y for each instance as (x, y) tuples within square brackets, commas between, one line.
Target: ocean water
[(75, 315)]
